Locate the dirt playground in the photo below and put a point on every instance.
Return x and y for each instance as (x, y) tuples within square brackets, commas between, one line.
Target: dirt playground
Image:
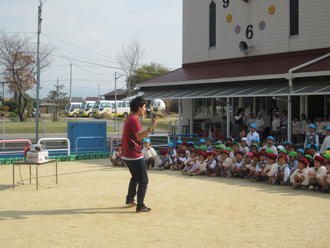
[(86, 209)]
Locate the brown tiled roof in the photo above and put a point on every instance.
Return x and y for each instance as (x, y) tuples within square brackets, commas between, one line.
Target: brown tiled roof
[(248, 66)]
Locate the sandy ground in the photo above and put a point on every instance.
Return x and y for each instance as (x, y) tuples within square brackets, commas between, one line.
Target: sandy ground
[(86, 210)]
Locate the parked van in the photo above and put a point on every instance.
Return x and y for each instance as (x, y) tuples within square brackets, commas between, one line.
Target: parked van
[(123, 108), (86, 109), (73, 109), (102, 108)]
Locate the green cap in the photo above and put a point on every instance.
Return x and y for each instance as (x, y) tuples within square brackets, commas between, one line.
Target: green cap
[(284, 151), (228, 149), (203, 147), (327, 156), (268, 150), (308, 156), (293, 154)]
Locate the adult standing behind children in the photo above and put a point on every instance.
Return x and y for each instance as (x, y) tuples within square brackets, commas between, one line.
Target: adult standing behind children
[(326, 142), (132, 153)]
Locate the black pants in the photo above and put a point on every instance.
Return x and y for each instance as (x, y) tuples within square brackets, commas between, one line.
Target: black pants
[(139, 179)]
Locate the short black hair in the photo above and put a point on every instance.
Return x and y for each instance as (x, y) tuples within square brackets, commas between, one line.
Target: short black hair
[(136, 103)]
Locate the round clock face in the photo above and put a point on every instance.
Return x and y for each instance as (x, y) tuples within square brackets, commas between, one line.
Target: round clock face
[(248, 29)]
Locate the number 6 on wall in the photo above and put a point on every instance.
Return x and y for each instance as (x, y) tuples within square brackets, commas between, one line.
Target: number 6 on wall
[(249, 32)]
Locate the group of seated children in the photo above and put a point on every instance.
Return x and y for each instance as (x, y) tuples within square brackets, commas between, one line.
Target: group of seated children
[(248, 158), (282, 165)]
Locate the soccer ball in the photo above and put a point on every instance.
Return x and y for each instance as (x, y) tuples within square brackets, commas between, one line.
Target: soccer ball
[(157, 106)]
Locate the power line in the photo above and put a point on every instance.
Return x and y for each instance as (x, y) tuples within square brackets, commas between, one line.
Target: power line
[(79, 47)]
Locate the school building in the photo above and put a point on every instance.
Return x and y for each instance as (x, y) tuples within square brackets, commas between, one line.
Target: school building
[(250, 54)]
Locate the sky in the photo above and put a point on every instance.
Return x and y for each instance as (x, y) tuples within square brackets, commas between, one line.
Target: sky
[(96, 31)]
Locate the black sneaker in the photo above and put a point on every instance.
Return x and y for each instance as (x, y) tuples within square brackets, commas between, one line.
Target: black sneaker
[(131, 204), (143, 209)]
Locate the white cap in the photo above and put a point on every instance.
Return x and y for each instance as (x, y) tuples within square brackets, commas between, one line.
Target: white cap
[(280, 147)]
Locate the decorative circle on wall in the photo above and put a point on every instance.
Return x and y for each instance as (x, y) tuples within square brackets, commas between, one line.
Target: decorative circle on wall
[(272, 9), (229, 18), (237, 29), (262, 25)]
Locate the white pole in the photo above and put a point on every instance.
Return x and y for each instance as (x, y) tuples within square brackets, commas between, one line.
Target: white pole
[(38, 73)]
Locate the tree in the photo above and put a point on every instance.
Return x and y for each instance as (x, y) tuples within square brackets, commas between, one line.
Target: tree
[(147, 72), (129, 59), (19, 67), (58, 100)]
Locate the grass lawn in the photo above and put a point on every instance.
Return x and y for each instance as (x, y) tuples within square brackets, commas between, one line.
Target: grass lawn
[(162, 122), (44, 126)]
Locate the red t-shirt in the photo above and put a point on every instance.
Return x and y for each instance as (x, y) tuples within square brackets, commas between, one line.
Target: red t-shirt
[(132, 148)]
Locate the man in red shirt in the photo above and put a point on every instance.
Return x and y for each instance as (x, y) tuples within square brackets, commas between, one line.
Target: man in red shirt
[(132, 153)]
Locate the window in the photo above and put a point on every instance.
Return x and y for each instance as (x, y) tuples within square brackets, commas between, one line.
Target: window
[(294, 17), (212, 24)]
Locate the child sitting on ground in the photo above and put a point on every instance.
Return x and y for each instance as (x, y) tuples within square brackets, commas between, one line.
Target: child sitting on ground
[(164, 160), (190, 162), (270, 171), (237, 169), (180, 160), (227, 163), (115, 158), (316, 173), (299, 178), (211, 164), (284, 171), (325, 180), (199, 167), (261, 165), (149, 154)]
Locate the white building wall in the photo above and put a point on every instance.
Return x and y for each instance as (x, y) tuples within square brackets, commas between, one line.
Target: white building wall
[(314, 28)]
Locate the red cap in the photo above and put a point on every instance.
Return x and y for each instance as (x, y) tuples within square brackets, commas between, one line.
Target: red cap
[(272, 156), (211, 154), (284, 156), (320, 159), (249, 154), (184, 143), (225, 151), (181, 151), (304, 161), (202, 153), (255, 154), (262, 152), (239, 152), (163, 151)]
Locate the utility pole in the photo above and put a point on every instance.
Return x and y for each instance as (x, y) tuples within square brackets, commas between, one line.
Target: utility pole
[(70, 83), (38, 72), (98, 93)]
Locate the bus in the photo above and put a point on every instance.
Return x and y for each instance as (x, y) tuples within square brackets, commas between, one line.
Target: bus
[(123, 108), (73, 109), (86, 109), (102, 108)]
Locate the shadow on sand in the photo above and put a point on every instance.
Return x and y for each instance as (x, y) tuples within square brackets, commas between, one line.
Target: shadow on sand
[(287, 191), (14, 215)]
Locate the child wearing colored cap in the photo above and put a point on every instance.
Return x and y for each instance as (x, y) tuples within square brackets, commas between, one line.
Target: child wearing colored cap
[(171, 152), (261, 164), (273, 168), (115, 158), (311, 137), (270, 145), (238, 162), (226, 164), (253, 171), (317, 172), (325, 180), (243, 146), (200, 168), (247, 165), (284, 171), (180, 160), (163, 161), (326, 142), (149, 154), (211, 164), (299, 178), (293, 162), (190, 162), (252, 134)]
